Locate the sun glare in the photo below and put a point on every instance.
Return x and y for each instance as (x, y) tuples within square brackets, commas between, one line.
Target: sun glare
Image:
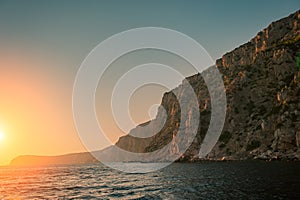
[(1, 135)]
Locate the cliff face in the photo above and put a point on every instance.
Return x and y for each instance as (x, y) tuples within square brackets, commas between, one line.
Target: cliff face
[(262, 85)]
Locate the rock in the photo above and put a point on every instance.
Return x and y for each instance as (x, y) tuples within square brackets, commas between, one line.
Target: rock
[(286, 140), (298, 139), (262, 88), (277, 134), (262, 85)]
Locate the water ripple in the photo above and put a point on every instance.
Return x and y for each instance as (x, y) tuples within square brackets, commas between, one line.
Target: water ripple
[(208, 180)]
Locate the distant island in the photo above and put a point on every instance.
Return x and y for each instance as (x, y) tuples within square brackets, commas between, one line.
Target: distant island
[(262, 82)]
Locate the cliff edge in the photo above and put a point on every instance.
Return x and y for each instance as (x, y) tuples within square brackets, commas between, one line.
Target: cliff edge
[(262, 84)]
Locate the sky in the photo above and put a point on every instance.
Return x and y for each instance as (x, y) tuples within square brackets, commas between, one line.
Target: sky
[(43, 44)]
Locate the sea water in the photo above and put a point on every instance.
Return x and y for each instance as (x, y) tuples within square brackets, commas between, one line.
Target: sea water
[(206, 180)]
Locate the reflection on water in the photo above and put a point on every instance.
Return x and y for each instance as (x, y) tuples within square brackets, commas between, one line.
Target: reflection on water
[(208, 180)]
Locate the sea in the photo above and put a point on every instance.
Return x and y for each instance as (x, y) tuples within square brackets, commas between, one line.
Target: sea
[(205, 180)]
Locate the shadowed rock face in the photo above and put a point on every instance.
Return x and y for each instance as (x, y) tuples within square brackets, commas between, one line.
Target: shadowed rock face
[(262, 85)]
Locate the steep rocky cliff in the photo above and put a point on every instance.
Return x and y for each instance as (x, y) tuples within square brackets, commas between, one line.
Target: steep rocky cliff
[(262, 84)]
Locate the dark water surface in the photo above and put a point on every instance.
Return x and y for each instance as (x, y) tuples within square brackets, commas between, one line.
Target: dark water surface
[(208, 180)]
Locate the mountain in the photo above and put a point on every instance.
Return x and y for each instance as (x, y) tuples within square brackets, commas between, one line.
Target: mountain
[(262, 83), (74, 158), (262, 86)]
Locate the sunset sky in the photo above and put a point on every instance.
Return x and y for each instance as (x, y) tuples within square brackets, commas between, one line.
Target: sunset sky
[(43, 44)]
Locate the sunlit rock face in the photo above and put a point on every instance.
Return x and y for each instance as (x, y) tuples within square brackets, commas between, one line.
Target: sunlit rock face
[(262, 86)]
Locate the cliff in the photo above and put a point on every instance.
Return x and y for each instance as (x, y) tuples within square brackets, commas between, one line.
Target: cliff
[(262, 85)]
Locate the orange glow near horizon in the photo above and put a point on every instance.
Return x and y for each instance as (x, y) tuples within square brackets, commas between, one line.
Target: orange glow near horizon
[(1, 135), (35, 110), (36, 107)]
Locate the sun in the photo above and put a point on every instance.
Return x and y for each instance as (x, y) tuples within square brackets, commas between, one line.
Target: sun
[(1, 135)]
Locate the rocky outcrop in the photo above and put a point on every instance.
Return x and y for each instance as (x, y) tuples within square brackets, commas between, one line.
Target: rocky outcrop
[(262, 86), (283, 32)]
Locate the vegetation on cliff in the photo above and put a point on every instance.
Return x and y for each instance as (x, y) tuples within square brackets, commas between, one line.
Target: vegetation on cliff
[(263, 96)]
